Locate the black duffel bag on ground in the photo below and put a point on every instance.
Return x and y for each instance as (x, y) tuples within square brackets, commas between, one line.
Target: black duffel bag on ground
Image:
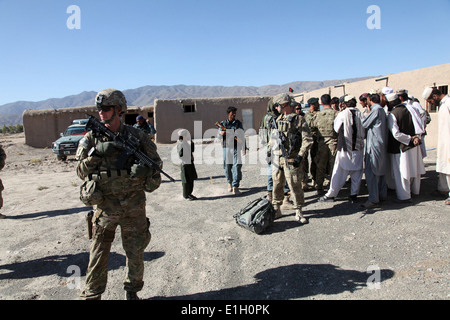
[(256, 216)]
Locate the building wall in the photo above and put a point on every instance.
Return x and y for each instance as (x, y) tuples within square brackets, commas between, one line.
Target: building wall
[(170, 115), (42, 127), (414, 81)]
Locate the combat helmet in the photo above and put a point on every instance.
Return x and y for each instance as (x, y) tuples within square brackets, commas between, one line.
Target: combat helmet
[(281, 99), (111, 97)]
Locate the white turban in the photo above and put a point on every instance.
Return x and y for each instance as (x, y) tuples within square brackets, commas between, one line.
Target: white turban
[(427, 93), (391, 97), (387, 90)]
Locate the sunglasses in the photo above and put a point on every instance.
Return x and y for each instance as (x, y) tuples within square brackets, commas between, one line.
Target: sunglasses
[(104, 108)]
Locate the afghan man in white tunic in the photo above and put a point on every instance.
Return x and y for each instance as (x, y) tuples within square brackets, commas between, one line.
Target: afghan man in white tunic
[(349, 157), (375, 158), (435, 97), (417, 111), (405, 155)]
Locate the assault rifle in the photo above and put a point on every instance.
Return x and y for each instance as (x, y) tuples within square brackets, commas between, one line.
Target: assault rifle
[(129, 144), (281, 140), (221, 126)]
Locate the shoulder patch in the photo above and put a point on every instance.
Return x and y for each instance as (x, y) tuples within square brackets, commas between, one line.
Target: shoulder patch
[(84, 143)]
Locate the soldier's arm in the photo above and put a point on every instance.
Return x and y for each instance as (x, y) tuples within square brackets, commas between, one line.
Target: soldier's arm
[(307, 138), (149, 147), (310, 119), (86, 164)]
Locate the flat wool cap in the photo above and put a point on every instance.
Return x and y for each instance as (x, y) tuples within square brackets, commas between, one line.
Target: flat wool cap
[(313, 100)]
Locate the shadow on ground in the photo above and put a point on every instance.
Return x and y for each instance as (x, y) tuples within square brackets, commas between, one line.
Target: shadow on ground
[(294, 282), (59, 265)]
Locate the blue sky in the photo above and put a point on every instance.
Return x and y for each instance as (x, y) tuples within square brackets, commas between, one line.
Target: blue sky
[(133, 43)]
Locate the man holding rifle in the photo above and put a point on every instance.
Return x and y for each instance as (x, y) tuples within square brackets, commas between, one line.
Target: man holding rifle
[(121, 179), (291, 139), (233, 149)]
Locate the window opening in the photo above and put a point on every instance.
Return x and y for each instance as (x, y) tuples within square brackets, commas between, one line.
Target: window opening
[(187, 108)]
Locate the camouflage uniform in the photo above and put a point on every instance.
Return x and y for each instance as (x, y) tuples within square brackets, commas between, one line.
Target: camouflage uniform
[(326, 145), (2, 165), (123, 204), (265, 125), (298, 141), (264, 134), (310, 167)]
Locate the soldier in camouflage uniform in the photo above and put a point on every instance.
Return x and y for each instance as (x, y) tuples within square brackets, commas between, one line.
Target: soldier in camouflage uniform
[(264, 134), (2, 165), (311, 165), (326, 142), (123, 197), (297, 141)]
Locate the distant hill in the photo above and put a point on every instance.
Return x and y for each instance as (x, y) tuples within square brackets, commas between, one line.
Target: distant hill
[(11, 113)]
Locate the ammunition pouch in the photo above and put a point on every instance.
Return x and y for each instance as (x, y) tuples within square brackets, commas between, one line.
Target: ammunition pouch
[(108, 148), (90, 194), (105, 174), (283, 126)]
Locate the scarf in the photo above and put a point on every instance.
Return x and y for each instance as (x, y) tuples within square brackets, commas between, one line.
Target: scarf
[(418, 123)]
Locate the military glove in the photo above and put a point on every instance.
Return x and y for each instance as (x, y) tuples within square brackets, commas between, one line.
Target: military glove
[(297, 161), (108, 147), (138, 170)]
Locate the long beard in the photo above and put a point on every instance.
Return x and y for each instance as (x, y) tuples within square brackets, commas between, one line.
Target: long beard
[(435, 103)]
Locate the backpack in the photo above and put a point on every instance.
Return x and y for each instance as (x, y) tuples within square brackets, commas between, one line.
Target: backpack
[(256, 216)]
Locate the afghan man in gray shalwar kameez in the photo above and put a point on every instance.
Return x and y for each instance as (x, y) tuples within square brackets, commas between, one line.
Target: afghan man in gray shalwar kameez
[(376, 152)]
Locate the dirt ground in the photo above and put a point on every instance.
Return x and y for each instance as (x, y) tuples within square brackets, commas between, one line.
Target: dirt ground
[(198, 252)]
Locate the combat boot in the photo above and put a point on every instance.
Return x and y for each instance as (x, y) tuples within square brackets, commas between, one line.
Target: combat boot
[(299, 217), (129, 295), (307, 187), (287, 203), (278, 213), (84, 296)]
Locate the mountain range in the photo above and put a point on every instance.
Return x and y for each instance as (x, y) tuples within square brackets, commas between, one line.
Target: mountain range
[(11, 113)]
